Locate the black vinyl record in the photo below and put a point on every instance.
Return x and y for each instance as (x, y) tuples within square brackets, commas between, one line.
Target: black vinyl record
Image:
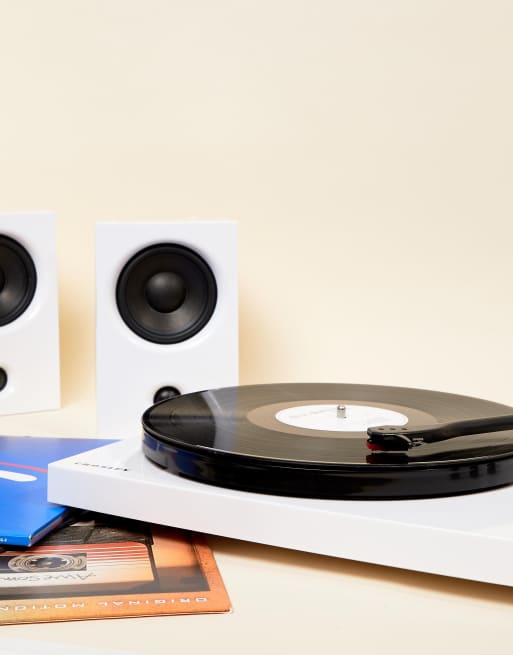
[(310, 440)]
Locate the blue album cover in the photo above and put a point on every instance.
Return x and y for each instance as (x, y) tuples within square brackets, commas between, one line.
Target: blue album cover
[(25, 513)]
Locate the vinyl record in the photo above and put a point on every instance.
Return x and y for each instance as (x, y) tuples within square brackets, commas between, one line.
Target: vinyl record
[(310, 440)]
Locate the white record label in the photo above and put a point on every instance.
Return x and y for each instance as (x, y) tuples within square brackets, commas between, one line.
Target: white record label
[(332, 418)]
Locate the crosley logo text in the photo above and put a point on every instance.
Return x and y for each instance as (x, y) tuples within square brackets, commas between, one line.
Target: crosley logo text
[(101, 466)]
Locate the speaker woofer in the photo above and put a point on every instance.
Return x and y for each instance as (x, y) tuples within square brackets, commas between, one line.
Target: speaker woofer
[(18, 280), (166, 293)]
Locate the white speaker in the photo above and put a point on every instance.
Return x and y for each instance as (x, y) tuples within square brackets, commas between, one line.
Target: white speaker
[(29, 318), (166, 315)]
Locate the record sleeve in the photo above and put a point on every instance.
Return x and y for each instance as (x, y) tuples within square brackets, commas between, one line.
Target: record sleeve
[(105, 567), (26, 514)]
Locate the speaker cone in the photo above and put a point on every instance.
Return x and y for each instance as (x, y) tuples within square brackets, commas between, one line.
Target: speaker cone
[(166, 293), (18, 280)]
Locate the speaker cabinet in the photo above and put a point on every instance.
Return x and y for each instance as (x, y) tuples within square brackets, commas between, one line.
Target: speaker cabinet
[(29, 319), (166, 315)]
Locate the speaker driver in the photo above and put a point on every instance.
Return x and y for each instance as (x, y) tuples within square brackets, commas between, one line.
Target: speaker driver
[(18, 280), (166, 293)]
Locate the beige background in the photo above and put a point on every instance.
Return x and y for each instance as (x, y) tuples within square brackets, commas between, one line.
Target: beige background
[(365, 148)]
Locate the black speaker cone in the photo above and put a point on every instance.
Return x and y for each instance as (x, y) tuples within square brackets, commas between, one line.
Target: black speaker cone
[(166, 293), (18, 279)]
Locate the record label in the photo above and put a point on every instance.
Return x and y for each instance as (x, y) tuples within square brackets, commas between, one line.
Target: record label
[(339, 417)]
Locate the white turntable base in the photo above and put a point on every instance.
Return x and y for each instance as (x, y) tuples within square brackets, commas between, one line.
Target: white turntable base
[(468, 536)]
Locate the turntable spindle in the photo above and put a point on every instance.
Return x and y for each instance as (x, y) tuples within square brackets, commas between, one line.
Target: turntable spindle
[(341, 411)]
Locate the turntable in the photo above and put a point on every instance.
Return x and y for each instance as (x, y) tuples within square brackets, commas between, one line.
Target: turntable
[(402, 477)]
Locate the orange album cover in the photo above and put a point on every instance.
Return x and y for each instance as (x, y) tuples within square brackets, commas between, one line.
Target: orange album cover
[(103, 567)]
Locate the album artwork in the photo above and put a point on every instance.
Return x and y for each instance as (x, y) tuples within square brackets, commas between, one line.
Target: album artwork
[(105, 567), (26, 514)]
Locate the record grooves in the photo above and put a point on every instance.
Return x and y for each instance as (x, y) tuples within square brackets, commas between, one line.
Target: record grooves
[(310, 440)]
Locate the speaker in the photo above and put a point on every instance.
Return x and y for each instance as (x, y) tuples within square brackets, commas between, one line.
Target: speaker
[(29, 319), (166, 315)]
